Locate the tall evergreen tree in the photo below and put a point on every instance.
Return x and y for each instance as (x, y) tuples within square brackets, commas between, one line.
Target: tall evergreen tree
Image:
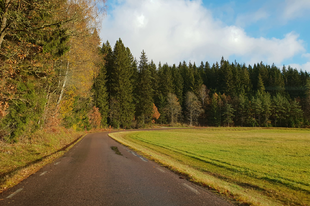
[(101, 95), (260, 85), (154, 81), (178, 83), (228, 114), (108, 61), (246, 81), (122, 91), (226, 78), (144, 107), (189, 78)]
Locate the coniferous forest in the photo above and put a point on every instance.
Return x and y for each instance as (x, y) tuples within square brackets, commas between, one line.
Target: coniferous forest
[(221, 94), (54, 72)]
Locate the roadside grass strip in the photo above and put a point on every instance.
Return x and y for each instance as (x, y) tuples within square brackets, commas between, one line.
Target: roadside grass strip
[(20, 160), (253, 166)]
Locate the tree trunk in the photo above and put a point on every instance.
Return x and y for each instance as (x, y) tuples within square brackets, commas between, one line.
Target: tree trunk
[(191, 118), (63, 85), (3, 27), (172, 116), (48, 97)]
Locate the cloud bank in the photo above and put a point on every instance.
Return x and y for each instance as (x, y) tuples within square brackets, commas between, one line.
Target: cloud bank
[(177, 30)]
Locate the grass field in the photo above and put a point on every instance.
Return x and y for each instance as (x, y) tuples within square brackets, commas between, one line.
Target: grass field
[(255, 166)]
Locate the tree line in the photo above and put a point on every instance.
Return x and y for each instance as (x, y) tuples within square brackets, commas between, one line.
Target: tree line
[(128, 93)]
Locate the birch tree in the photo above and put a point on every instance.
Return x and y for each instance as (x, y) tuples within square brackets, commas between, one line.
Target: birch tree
[(194, 108)]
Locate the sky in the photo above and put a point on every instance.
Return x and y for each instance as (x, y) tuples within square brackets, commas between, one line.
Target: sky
[(248, 31)]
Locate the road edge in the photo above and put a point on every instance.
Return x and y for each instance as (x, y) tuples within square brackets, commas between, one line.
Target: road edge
[(25, 172)]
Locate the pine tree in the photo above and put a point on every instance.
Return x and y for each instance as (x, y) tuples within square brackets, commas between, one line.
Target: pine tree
[(241, 110), (154, 80), (122, 91), (101, 95), (206, 72), (307, 102), (228, 114), (144, 106), (214, 112), (178, 83), (165, 80), (260, 85), (275, 82), (246, 81), (226, 78), (108, 58), (266, 107), (296, 114), (188, 77), (198, 79)]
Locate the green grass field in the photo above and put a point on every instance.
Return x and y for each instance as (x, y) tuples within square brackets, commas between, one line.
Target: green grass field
[(256, 166)]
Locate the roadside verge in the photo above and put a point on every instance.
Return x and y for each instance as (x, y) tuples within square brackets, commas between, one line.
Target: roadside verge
[(20, 160)]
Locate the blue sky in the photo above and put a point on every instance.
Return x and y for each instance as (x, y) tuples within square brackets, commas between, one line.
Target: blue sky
[(248, 31)]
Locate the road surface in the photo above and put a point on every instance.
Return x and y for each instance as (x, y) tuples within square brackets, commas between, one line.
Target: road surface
[(91, 173)]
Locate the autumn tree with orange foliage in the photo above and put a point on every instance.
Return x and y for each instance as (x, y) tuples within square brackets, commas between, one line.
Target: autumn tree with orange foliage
[(95, 118), (156, 114)]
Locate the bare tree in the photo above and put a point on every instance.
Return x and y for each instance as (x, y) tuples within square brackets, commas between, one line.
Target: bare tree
[(173, 107), (203, 94), (193, 107)]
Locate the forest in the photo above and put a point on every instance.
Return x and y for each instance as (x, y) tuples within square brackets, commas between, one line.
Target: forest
[(55, 73), (224, 94)]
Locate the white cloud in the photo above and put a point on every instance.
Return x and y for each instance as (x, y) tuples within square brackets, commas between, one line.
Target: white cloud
[(306, 55), (296, 8), (176, 30), (249, 18), (304, 67)]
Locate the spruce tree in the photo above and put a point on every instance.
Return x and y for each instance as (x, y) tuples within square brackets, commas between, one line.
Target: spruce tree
[(154, 81), (108, 63), (122, 91), (241, 110), (189, 79), (226, 78), (144, 107), (214, 112), (205, 76), (260, 85), (178, 83), (246, 81), (198, 79), (266, 107), (228, 114), (101, 95)]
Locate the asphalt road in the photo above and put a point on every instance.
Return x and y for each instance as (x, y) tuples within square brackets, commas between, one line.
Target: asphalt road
[(91, 173)]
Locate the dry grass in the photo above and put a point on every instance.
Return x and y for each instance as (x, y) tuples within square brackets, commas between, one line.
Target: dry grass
[(20, 160)]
